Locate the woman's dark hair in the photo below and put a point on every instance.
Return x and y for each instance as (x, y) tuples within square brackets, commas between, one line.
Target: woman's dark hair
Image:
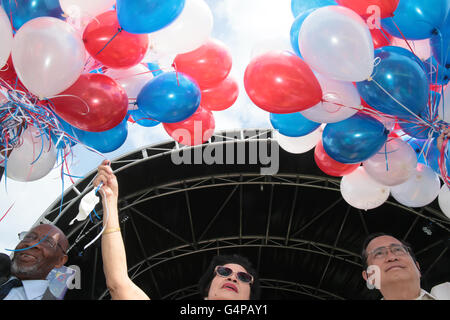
[(208, 276), (372, 236)]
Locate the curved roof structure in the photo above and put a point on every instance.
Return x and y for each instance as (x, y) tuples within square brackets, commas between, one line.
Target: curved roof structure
[(294, 225)]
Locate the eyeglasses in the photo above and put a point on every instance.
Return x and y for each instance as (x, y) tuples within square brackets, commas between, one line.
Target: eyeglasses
[(396, 249), (47, 242), (226, 272)]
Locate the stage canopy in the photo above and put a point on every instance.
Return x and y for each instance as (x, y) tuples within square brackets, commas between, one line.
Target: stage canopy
[(294, 226)]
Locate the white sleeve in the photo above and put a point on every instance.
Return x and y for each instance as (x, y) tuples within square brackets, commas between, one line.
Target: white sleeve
[(441, 291)]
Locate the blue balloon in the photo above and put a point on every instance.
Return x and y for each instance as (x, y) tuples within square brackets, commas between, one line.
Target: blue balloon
[(440, 44), (427, 152), (300, 6), (416, 19), (295, 30), (22, 11), (170, 97), (432, 67), (407, 54), (355, 139), (293, 124), (402, 77), (142, 119), (154, 68), (104, 141), (145, 16)]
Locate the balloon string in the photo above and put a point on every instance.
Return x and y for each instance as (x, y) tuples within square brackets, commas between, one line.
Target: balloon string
[(10, 14), (71, 96), (174, 65), (443, 163), (6, 211), (385, 36), (110, 40), (401, 104), (404, 38), (386, 157)]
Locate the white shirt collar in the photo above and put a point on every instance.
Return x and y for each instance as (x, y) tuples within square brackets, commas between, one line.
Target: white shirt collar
[(424, 295), (35, 288)]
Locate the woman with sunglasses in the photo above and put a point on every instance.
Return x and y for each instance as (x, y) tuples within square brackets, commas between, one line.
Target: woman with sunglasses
[(229, 278)]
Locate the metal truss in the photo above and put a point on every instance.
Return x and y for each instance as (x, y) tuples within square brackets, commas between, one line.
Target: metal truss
[(128, 208), (271, 284), (218, 244)]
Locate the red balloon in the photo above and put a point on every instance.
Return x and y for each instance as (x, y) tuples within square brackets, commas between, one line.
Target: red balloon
[(95, 102), (281, 82), (380, 38), (387, 7), (194, 130), (209, 64), (112, 46), (331, 166), (220, 97)]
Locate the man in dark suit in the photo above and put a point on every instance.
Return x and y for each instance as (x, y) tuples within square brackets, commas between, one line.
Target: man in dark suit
[(40, 250)]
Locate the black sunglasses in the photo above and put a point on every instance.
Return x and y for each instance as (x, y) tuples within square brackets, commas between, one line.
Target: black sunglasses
[(226, 272)]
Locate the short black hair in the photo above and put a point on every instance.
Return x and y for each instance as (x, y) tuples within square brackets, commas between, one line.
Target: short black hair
[(220, 260), (372, 236)]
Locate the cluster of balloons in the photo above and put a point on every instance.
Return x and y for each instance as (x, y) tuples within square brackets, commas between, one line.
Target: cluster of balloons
[(101, 64), (366, 85)]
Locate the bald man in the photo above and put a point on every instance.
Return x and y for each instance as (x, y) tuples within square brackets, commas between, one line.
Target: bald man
[(40, 250)]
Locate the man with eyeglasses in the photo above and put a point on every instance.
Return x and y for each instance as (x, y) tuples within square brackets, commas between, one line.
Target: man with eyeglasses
[(40, 250), (390, 266)]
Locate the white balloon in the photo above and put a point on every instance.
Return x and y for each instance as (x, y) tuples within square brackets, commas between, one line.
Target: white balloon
[(389, 123), (336, 42), (342, 101), (360, 191), (299, 144), (189, 31), (6, 37), (420, 189), (33, 159), (444, 109), (444, 200), (48, 56), (89, 8), (132, 79), (393, 164)]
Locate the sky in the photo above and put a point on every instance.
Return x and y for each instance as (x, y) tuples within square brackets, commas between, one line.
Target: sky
[(246, 27)]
